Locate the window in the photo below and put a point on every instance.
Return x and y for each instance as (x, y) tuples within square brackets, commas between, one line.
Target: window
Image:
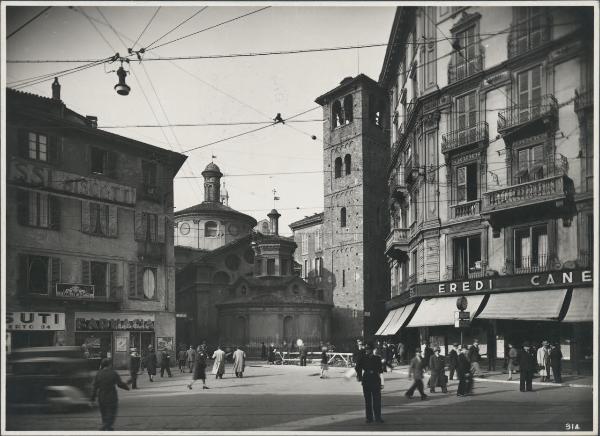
[(413, 262), (270, 267), (337, 114), (414, 207), (348, 110), (318, 240), (304, 243), (429, 58), (466, 59), (467, 257), (210, 229), (38, 210), (530, 27), (530, 164), (102, 161), (466, 111), (343, 278), (151, 230), (143, 282), (258, 267), (529, 86), (318, 266), (99, 219), (149, 177), (338, 167), (343, 217), (285, 267), (38, 146), (305, 270), (466, 183), (531, 248), (376, 111), (38, 274), (347, 164)]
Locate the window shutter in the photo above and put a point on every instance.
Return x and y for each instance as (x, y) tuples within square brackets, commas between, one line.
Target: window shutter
[(132, 277), (23, 206), (54, 274), (161, 229), (85, 272), (53, 149), (85, 216), (23, 143), (113, 225), (140, 229), (54, 205), (23, 272), (111, 164), (140, 281), (151, 223), (113, 280)]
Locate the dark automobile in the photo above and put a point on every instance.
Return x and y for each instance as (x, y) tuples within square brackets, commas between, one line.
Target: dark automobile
[(47, 378)]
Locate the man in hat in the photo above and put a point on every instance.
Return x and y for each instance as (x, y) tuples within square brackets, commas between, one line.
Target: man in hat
[(368, 370), (555, 362), (438, 376), (474, 357), (527, 364), (134, 367), (104, 387), (543, 361), (463, 371), (452, 360), (415, 371)]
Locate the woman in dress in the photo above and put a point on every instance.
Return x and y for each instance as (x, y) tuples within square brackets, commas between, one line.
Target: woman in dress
[(199, 368), (324, 360), (513, 360), (151, 363)]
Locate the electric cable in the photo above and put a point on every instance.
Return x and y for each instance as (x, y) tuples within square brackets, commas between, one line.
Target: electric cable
[(145, 28), (111, 26), (176, 27), (28, 22)]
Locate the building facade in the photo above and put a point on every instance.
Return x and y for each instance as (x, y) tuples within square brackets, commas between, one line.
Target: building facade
[(355, 218), (91, 260), (491, 176), (308, 235)]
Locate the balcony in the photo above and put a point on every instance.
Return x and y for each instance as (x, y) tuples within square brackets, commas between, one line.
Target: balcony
[(411, 170), (584, 98), (530, 264), (458, 139), (412, 280), (398, 188), (470, 209), (585, 260), (396, 244), (475, 272), (518, 116), (464, 68), (79, 295)]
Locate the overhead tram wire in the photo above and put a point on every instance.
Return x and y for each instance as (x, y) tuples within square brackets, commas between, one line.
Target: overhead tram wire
[(146, 28), (36, 16), (176, 27), (61, 74), (111, 26), (216, 124)]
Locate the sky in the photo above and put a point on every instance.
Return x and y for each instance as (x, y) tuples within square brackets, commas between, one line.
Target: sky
[(225, 90)]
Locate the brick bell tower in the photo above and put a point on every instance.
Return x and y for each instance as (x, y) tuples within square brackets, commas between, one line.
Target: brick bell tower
[(355, 219)]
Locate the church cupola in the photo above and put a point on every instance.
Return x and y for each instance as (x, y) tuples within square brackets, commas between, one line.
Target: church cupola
[(212, 183), (274, 221)]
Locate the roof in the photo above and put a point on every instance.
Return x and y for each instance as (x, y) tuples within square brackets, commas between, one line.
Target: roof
[(212, 167), (307, 221), (400, 27), (215, 208), (175, 159), (206, 255), (344, 86)]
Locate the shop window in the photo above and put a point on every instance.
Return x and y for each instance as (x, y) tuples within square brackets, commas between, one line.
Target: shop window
[(529, 88), (37, 209), (530, 164), (149, 178), (338, 167), (531, 248), (270, 267), (467, 257), (210, 229), (347, 164), (343, 217), (466, 183), (337, 114), (348, 110)]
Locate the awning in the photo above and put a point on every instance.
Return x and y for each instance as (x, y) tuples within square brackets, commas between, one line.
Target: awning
[(528, 306), (398, 322), (440, 311), (387, 320), (581, 306)]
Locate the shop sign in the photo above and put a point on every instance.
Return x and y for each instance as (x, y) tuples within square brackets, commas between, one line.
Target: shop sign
[(75, 184), (69, 290), (113, 322), (29, 321), (164, 343)]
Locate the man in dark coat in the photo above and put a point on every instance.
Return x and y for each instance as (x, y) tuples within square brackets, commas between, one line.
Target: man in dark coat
[(555, 362), (151, 363), (368, 370), (415, 371), (134, 367), (165, 364), (474, 358), (263, 351), (104, 387), (438, 376), (302, 352), (463, 371), (452, 360), (427, 353), (527, 367), (358, 352)]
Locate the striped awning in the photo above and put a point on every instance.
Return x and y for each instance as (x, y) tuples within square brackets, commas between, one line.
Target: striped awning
[(581, 306)]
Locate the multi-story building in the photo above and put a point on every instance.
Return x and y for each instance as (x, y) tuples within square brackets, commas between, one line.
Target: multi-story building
[(90, 255), (355, 218), (491, 175), (308, 235)]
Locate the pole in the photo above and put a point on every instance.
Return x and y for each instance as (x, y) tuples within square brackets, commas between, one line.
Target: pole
[(461, 337)]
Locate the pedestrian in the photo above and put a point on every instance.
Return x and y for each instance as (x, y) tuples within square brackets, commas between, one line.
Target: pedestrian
[(239, 362), (543, 361), (438, 375), (182, 359), (527, 363), (555, 362), (324, 362), (302, 352), (452, 360), (415, 370), (427, 353), (271, 355), (165, 364), (369, 370), (104, 387), (219, 364), (191, 357), (474, 358), (400, 353), (263, 351), (290, 347), (199, 368), (151, 363), (134, 367), (389, 358), (463, 371), (284, 347), (358, 352), (513, 360)]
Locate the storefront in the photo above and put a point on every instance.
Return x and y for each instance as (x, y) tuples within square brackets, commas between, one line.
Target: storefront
[(34, 329), (111, 335)]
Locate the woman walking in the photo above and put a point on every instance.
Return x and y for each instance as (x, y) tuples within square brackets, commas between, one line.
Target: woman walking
[(151, 363), (324, 364), (199, 369), (513, 360)]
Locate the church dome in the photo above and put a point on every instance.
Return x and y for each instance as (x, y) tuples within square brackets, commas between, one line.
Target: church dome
[(212, 168)]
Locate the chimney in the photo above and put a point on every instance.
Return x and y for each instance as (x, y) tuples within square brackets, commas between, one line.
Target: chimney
[(274, 220), (92, 121), (55, 89)]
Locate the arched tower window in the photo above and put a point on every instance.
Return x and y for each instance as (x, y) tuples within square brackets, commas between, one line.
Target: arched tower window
[(210, 229), (348, 109), (338, 167), (347, 164), (343, 217), (337, 114)]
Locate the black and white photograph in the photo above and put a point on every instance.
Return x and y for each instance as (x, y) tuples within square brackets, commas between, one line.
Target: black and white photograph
[(334, 217)]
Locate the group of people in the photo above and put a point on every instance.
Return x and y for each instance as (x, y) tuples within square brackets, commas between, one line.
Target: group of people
[(546, 361), (150, 361)]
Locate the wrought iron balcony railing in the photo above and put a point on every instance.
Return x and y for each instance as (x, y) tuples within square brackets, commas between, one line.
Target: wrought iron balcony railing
[(531, 264), (465, 68), (584, 98), (465, 273), (465, 210), (526, 112), (460, 138)]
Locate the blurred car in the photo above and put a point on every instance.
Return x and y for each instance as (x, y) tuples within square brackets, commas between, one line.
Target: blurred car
[(49, 379)]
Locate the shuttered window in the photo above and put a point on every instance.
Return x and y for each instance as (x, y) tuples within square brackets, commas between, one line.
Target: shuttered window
[(466, 111), (530, 93), (103, 275), (38, 274), (38, 209), (99, 219), (142, 282)]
